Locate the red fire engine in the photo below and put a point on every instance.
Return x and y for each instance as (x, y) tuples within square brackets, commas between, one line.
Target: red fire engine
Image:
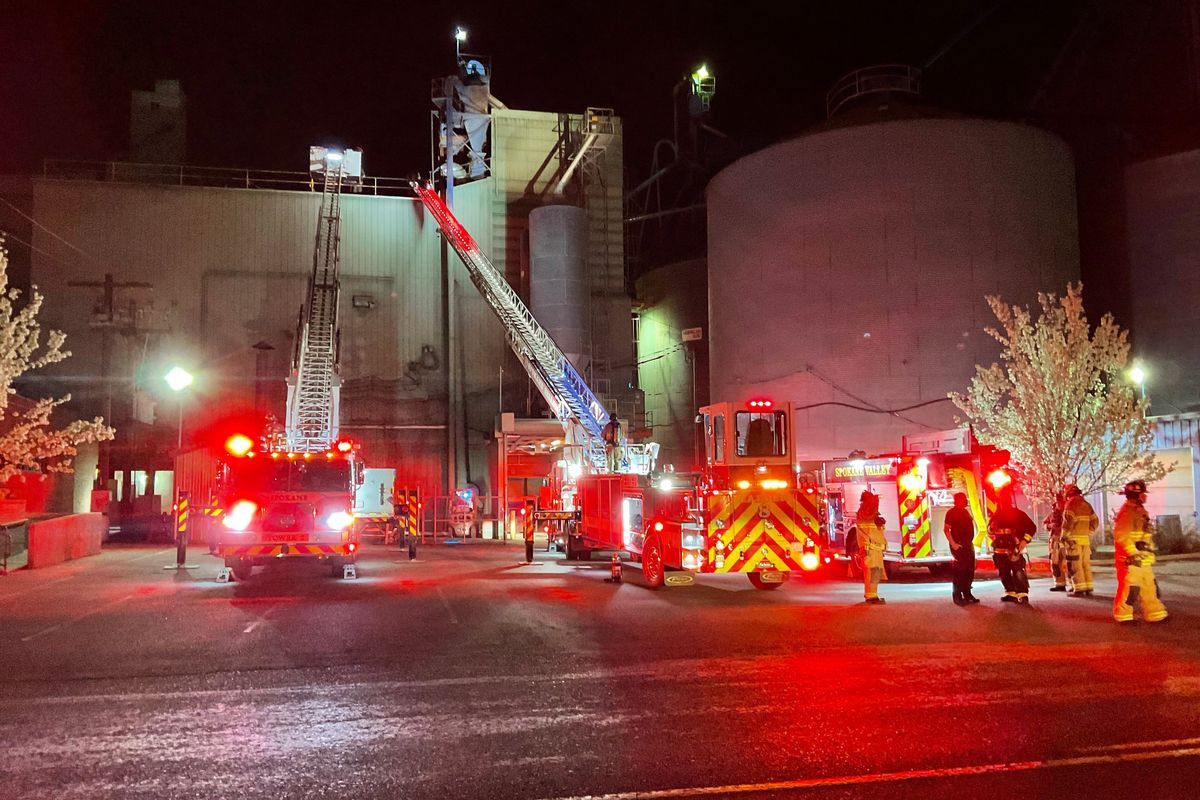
[(280, 503), (916, 488), (747, 511)]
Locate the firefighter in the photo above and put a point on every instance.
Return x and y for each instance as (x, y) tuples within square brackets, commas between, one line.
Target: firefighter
[(613, 448), (1058, 545), (1132, 540), (1011, 531), (871, 543), (960, 533), (1079, 520), (529, 532)]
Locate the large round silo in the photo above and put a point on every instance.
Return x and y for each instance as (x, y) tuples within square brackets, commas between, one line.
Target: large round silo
[(558, 288), (850, 265)]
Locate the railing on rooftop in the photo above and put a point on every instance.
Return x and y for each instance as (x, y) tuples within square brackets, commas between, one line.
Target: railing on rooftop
[(885, 78), (219, 177)]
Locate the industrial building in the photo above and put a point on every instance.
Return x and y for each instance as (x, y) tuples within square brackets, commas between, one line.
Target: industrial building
[(207, 268)]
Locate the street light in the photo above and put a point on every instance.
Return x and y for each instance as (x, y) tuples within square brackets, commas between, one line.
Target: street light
[(179, 379), (1137, 376)]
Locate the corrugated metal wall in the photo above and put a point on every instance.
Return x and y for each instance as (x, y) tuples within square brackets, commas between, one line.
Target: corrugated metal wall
[(1182, 431)]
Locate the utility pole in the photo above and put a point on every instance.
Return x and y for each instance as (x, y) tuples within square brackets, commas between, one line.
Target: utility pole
[(106, 321)]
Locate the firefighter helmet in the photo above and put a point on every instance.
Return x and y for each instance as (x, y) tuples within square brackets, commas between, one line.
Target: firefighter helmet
[(865, 496), (1134, 488), (1071, 490)]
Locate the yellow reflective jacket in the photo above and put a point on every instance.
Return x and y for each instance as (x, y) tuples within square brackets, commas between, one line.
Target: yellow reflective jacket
[(1079, 519), (1131, 531)]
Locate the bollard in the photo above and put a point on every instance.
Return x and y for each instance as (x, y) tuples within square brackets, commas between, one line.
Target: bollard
[(181, 534), (412, 547), (529, 551)]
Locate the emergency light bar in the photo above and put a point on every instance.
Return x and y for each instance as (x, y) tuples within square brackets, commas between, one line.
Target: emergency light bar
[(760, 404)]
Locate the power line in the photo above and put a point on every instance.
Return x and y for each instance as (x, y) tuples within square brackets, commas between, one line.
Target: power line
[(43, 227), (9, 235)]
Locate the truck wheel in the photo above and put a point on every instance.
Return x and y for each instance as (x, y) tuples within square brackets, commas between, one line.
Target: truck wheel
[(242, 569), (652, 562), (759, 583)]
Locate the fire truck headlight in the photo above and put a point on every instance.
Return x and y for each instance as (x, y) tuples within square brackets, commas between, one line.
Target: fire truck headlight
[(339, 520), (693, 541), (809, 561), (692, 561), (240, 516)]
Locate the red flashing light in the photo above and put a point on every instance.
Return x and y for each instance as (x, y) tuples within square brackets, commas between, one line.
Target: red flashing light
[(523, 511), (239, 444), (761, 404), (351, 547), (809, 490), (344, 446), (999, 478)]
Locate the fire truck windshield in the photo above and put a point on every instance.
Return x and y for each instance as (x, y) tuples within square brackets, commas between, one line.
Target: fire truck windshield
[(290, 476), (761, 433)]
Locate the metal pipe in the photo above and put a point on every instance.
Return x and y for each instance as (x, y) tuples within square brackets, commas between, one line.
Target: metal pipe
[(435, 427), (667, 213)]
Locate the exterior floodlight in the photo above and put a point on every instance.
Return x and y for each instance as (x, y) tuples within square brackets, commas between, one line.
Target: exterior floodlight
[(460, 34), (333, 155), (701, 73), (178, 379), (1137, 375)]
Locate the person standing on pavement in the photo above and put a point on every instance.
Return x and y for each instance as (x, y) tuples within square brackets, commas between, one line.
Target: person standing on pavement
[(1079, 520), (960, 533), (1058, 547), (871, 543), (1011, 531), (1134, 546)]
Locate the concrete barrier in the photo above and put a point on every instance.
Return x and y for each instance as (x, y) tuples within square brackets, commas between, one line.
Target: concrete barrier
[(53, 541)]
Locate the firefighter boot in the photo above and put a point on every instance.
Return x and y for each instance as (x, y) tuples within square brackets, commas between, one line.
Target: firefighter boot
[(871, 578), (1136, 586)]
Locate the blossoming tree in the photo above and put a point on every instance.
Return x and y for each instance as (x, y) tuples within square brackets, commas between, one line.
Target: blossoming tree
[(1059, 401), (29, 442)]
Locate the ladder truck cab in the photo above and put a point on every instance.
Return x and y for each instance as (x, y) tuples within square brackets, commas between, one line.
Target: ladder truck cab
[(280, 503), (916, 488)]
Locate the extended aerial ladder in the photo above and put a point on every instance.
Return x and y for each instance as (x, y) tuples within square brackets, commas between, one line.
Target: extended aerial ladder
[(560, 384), (313, 386)]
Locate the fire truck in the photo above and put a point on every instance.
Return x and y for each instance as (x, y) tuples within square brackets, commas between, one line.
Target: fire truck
[(746, 510), (916, 488), (292, 495)]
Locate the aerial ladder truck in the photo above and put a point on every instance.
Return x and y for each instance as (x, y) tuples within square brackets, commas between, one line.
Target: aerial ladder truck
[(747, 510), (292, 494)]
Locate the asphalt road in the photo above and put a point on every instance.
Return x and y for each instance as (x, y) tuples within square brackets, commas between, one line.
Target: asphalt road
[(464, 675)]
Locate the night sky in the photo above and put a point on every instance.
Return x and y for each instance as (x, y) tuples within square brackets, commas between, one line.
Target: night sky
[(266, 79), (1119, 79)]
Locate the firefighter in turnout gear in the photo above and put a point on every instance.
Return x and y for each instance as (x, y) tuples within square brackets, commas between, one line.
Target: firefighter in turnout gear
[(1079, 520), (871, 544), (1011, 531), (1132, 540), (1058, 547), (614, 445)]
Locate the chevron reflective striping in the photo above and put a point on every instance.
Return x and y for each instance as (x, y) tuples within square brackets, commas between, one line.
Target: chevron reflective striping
[(758, 527)]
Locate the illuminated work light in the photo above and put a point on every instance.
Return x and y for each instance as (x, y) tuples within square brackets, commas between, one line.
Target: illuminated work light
[(239, 444), (344, 446), (999, 479), (339, 520)]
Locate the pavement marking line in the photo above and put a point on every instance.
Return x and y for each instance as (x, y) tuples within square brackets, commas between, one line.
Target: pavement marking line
[(1100, 748), (446, 603), (887, 777), (261, 619), (73, 620)]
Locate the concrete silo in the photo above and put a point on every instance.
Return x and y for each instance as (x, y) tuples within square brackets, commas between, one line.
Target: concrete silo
[(558, 280), (850, 265)]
